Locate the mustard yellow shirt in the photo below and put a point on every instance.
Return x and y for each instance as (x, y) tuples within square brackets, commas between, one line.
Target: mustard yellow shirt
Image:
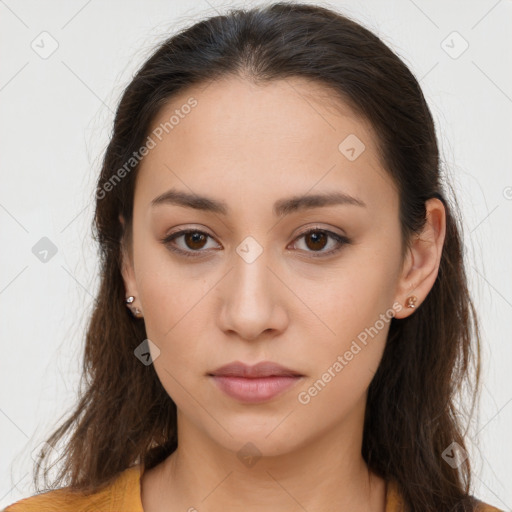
[(124, 495)]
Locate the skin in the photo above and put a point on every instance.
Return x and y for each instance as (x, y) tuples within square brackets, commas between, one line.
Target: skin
[(249, 146)]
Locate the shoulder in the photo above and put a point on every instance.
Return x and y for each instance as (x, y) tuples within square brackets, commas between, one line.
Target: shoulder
[(395, 501), (122, 494), (60, 500), (484, 507)]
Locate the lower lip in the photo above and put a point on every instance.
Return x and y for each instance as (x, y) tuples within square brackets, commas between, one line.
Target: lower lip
[(254, 390)]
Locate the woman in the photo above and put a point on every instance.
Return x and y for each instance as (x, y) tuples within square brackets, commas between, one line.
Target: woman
[(283, 321)]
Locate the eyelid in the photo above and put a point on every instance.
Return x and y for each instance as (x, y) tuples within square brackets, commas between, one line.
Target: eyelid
[(318, 227)]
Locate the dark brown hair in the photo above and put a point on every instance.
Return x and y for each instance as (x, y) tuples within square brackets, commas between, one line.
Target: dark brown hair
[(124, 415)]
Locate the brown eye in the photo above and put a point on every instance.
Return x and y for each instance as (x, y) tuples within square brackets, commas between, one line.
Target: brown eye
[(192, 242), (316, 240), (195, 239)]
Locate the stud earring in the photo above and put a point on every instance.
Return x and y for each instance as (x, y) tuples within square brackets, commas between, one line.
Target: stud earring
[(136, 312), (411, 301)]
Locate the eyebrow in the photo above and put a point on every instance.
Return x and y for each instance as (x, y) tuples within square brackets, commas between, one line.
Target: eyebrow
[(281, 208)]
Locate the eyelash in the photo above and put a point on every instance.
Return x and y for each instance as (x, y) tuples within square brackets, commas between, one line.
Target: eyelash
[(342, 240)]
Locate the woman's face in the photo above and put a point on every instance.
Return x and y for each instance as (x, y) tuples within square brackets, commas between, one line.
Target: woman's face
[(255, 286)]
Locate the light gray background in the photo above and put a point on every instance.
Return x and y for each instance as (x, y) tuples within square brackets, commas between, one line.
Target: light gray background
[(55, 118)]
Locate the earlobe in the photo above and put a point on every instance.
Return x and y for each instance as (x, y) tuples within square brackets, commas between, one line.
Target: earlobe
[(422, 264)]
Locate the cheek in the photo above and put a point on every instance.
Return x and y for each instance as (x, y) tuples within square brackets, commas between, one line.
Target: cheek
[(175, 317), (170, 293), (341, 371), (352, 299), (176, 323), (355, 312)]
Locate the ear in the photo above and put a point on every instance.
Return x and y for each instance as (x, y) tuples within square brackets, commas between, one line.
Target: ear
[(127, 271), (423, 258)]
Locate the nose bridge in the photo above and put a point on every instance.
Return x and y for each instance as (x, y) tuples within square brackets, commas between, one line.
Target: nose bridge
[(251, 274), (250, 300)]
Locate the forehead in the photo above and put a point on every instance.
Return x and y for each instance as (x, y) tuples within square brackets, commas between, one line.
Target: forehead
[(288, 135)]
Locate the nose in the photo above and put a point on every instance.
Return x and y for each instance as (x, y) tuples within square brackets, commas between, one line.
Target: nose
[(253, 300)]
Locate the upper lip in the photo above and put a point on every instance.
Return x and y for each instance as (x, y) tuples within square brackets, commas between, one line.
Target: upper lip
[(261, 369)]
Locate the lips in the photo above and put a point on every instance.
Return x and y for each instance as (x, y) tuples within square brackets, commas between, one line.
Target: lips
[(254, 384), (259, 370)]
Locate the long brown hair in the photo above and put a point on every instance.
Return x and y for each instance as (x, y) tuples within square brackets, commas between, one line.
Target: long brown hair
[(124, 415)]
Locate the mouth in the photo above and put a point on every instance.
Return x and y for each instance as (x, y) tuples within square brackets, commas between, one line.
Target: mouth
[(254, 384), (259, 370)]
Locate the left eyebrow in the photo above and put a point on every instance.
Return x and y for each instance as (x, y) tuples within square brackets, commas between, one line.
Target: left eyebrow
[(281, 207), (295, 203)]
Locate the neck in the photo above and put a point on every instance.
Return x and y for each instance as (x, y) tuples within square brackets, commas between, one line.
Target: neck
[(327, 474)]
